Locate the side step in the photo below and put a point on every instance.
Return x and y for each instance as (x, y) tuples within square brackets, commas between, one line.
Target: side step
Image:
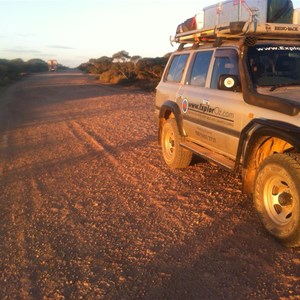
[(209, 155)]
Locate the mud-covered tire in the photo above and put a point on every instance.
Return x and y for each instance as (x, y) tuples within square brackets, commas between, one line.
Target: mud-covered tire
[(277, 197), (174, 155)]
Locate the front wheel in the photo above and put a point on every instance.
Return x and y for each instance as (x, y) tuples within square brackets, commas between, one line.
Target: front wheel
[(277, 196), (174, 155)]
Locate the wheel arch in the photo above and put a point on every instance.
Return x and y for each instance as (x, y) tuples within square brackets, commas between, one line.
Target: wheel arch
[(168, 110), (262, 138)]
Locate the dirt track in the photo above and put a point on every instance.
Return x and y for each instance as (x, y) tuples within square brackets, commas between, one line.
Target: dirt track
[(90, 211)]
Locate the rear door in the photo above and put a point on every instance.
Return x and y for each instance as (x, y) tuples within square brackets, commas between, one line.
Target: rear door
[(189, 95), (168, 88)]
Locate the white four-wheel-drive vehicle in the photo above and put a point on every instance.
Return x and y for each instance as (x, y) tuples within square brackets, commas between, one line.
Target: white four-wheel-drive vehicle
[(230, 94)]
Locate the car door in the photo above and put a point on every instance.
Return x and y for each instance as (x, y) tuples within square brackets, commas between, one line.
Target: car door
[(189, 95), (225, 108), (167, 89), (217, 112)]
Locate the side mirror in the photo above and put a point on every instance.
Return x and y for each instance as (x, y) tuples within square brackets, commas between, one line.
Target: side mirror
[(229, 82)]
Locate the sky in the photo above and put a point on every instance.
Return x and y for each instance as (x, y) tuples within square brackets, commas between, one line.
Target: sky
[(73, 31)]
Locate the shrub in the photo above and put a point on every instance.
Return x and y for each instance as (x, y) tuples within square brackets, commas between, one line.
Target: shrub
[(123, 69)]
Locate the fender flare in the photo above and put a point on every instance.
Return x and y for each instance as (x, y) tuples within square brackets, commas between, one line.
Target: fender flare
[(172, 107), (264, 127)]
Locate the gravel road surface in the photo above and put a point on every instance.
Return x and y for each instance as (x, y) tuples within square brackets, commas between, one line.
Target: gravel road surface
[(89, 210)]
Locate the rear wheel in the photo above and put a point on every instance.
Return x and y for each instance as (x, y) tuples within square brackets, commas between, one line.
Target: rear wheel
[(174, 155), (277, 196)]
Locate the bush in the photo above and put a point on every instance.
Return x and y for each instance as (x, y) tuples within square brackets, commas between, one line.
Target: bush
[(123, 69), (11, 70), (36, 65), (147, 84)]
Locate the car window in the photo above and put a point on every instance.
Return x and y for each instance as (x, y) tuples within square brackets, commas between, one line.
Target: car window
[(226, 62), (200, 68), (177, 67)]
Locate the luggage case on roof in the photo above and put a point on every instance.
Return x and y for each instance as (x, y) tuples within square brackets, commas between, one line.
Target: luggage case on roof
[(189, 24), (267, 11)]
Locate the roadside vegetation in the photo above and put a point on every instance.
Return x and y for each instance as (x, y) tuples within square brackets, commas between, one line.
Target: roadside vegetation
[(11, 70), (124, 69), (120, 68)]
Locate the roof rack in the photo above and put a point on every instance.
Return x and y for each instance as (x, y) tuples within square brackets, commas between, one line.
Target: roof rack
[(239, 30)]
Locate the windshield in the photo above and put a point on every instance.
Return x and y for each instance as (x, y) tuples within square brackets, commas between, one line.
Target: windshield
[(274, 65)]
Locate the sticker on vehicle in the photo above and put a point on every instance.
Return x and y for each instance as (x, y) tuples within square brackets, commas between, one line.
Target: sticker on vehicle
[(185, 105)]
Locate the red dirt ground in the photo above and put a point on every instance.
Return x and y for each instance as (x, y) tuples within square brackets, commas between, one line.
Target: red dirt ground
[(89, 210)]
